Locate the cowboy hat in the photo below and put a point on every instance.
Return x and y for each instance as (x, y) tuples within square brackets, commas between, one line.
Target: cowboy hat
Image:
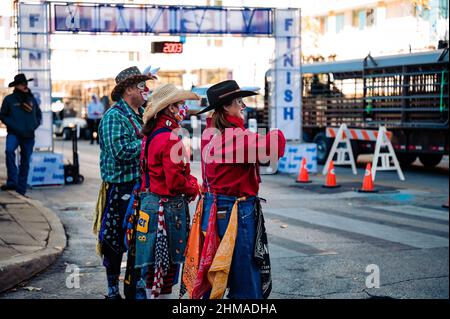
[(127, 78), (223, 92), (18, 79), (165, 95)]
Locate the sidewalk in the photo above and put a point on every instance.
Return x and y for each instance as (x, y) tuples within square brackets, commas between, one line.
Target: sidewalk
[(31, 238)]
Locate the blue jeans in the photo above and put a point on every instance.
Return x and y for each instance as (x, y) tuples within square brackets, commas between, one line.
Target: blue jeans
[(176, 217), (176, 212), (244, 279), (18, 178)]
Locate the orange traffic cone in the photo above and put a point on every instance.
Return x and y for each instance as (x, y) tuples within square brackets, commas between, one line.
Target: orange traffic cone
[(303, 176), (367, 186), (331, 177)]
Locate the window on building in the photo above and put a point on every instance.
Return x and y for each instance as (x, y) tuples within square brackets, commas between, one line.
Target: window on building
[(358, 19), (443, 9), (421, 9), (363, 18), (323, 24), (133, 56), (340, 22)]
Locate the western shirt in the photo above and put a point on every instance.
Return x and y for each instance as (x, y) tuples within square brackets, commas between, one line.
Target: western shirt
[(120, 143)]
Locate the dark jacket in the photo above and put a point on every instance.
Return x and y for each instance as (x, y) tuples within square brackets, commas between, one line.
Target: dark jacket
[(17, 119)]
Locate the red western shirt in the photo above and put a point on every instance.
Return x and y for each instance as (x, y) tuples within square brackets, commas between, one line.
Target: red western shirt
[(231, 160), (204, 141), (169, 170)]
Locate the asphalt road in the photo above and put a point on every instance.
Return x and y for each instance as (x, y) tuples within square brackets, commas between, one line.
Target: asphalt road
[(323, 243)]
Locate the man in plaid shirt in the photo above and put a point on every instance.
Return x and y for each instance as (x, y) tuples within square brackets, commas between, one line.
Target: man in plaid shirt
[(120, 148)]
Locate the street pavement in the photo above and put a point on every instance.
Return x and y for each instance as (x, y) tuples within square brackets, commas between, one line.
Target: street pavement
[(31, 238), (323, 243)]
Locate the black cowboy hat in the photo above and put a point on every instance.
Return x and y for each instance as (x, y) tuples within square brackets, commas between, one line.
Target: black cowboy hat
[(18, 79), (223, 92)]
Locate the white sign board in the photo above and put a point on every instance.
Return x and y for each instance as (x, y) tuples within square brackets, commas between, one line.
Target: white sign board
[(46, 169), (286, 98), (293, 156)]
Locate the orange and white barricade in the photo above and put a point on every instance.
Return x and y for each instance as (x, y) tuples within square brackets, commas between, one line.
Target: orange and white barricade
[(345, 154)]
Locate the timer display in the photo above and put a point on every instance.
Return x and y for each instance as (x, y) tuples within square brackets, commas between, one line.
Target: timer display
[(167, 47)]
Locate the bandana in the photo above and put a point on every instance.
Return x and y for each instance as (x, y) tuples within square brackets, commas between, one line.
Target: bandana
[(221, 265), (25, 98), (261, 252), (193, 252), (235, 120), (161, 254), (210, 246)]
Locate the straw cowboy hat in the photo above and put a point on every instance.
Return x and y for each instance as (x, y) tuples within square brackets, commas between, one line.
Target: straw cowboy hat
[(127, 78), (165, 95), (222, 92), (19, 79)]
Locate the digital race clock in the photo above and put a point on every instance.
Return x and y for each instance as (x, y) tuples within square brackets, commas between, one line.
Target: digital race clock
[(167, 47)]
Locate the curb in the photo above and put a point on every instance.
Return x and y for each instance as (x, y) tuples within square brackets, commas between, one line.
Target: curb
[(23, 267)]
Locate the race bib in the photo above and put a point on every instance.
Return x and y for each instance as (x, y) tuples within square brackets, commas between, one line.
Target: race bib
[(142, 224)]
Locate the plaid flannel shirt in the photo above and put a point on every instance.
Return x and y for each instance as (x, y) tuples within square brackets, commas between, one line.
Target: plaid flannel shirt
[(120, 146)]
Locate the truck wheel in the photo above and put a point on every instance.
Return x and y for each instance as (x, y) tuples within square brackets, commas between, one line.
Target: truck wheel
[(430, 160), (406, 159), (323, 147), (307, 137)]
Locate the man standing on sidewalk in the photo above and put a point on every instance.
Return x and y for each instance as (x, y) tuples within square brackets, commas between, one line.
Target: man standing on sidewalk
[(21, 114), (95, 111), (120, 149)]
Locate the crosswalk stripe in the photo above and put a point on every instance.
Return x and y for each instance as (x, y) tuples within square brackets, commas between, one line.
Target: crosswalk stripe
[(412, 218), (296, 246), (417, 211), (378, 242), (387, 218), (389, 233)]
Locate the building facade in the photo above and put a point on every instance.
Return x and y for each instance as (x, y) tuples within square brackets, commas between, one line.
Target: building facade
[(339, 30), (331, 30)]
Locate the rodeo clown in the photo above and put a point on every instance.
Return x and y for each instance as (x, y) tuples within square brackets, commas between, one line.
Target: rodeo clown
[(234, 248), (120, 148), (166, 189)]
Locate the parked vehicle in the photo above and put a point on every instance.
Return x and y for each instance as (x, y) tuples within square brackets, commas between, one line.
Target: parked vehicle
[(63, 127), (408, 94)]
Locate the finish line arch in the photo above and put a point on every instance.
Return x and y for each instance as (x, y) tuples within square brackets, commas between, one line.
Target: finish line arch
[(37, 21)]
